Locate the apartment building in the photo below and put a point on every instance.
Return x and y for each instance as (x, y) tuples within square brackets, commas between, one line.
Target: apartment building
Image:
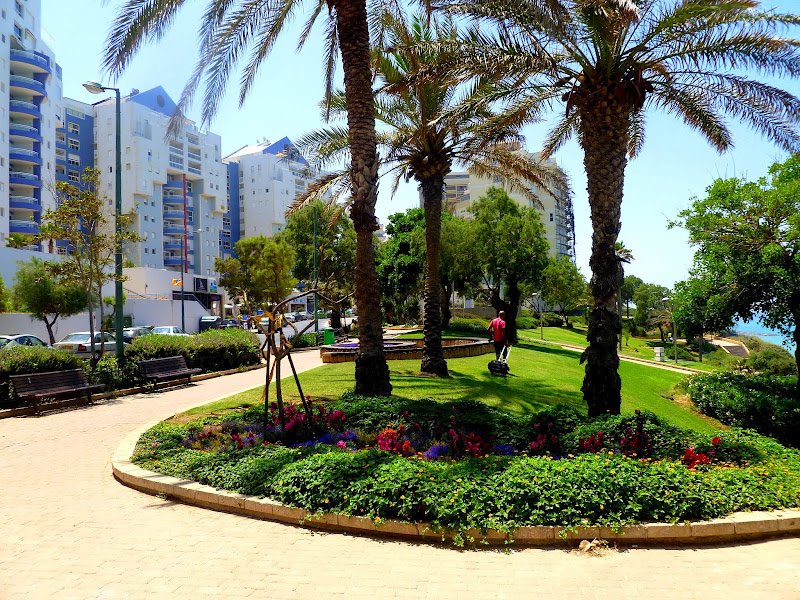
[(462, 189), (30, 97), (175, 186), (263, 180)]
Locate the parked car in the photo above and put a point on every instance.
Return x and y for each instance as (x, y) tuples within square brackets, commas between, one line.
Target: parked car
[(131, 333), (80, 343), (21, 339), (210, 322), (168, 330), (302, 315), (230, 324), (288, 318)]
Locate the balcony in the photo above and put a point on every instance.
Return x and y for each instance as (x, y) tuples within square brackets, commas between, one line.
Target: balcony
[(193, 156), (24, 203), (24, 155), (173, 214), (173, 229), (24, 131), (22, 108), (32, 60), (172, 246), (18, 226), (174, 185), (176, 261), (27, 85), (194, 170), (24, 178)]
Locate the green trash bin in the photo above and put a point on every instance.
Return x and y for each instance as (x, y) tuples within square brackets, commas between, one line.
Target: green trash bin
[(330, 338)]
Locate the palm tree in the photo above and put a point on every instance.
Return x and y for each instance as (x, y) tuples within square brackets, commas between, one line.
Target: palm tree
[(229, 29), (609, 60), (427, 130)]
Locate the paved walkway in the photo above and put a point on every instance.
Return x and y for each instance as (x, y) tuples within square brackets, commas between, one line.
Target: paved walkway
[(69, 530)]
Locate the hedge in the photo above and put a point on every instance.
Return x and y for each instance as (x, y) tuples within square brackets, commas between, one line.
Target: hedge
[(31, 359), (763, 403)]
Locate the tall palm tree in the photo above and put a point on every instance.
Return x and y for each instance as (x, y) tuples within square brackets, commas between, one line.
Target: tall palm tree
[(429, 125), (230, 28), (609, 60)]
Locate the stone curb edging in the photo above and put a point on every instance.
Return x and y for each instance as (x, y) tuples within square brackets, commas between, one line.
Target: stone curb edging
[(738, 527)]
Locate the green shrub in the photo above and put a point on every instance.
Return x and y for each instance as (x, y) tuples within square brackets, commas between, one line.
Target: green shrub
[(471, 325), (212, 350), (305, 340), (552, 320), (768, 359), (526, 322), (765, 404), (31, 359), (108, 372)]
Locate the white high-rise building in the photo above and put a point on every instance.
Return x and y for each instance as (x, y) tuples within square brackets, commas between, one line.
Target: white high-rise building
[(269, 175), (175, 186), (462, 189), (30, 109)]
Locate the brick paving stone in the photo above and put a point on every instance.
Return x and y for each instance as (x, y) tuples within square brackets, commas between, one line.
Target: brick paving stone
[(69, 530)]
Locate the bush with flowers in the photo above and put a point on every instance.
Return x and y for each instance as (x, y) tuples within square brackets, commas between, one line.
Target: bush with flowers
[(464, 465)]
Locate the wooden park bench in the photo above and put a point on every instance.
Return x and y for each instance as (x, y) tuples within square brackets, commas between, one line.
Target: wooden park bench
[(156, 370), (70, 383)]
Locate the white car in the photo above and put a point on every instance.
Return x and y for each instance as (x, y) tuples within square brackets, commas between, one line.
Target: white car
[(168, 330), (80, 343)]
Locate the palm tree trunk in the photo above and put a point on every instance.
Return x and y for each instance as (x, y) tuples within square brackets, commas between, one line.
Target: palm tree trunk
[(372, 372), (432, 356), (604, 140)]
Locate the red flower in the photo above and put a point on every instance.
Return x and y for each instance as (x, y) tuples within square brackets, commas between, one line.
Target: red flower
[(715, 441)]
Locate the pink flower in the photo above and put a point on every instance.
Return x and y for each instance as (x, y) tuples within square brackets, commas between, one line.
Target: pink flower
[(342, 444)]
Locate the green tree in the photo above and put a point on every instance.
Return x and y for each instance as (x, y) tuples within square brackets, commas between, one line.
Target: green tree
[(700, 308), (651, 301), (262, 272), (20, 240), (429, 126), (628, 289), (459, 273), (336, 251), (401, 264), (81, 220), (747, 238), (46, 297), (563, 286), (230, 29), (609, 61), (511, 249)]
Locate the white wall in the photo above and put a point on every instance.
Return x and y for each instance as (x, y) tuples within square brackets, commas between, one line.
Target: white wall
[(144, 312)]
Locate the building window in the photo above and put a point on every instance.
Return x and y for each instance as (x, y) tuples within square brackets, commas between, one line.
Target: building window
[(74, 162), (75, 128), (551, 217), (73, 176), (20, 10), (74, 145)]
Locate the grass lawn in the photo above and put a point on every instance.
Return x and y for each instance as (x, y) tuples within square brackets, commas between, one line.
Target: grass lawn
[(634, 347), (541, 375)]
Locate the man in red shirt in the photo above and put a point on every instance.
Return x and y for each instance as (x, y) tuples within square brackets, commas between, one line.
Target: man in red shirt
[(498, 330)]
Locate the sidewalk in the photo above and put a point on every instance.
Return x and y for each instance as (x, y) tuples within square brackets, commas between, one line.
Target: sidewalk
[(69, 530)]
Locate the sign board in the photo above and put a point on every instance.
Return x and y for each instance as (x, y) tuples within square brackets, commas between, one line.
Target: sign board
[(201, 284)]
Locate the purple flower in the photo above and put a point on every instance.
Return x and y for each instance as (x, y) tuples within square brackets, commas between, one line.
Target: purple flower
[(504, 449), (437, 451)]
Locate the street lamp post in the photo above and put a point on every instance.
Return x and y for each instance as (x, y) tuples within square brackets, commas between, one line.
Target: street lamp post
[(96, 88)]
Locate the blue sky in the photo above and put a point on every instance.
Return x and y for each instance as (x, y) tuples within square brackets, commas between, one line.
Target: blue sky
[(675, 165)]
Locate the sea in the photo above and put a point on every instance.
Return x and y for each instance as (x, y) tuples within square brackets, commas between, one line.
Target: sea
[(758, 329)]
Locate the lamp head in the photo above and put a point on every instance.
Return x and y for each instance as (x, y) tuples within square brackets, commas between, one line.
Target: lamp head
[(94, 88)]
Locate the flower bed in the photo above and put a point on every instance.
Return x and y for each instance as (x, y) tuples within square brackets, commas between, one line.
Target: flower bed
[(464, 465)]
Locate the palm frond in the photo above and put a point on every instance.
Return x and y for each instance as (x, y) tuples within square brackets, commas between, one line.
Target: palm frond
[(137, 22)]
